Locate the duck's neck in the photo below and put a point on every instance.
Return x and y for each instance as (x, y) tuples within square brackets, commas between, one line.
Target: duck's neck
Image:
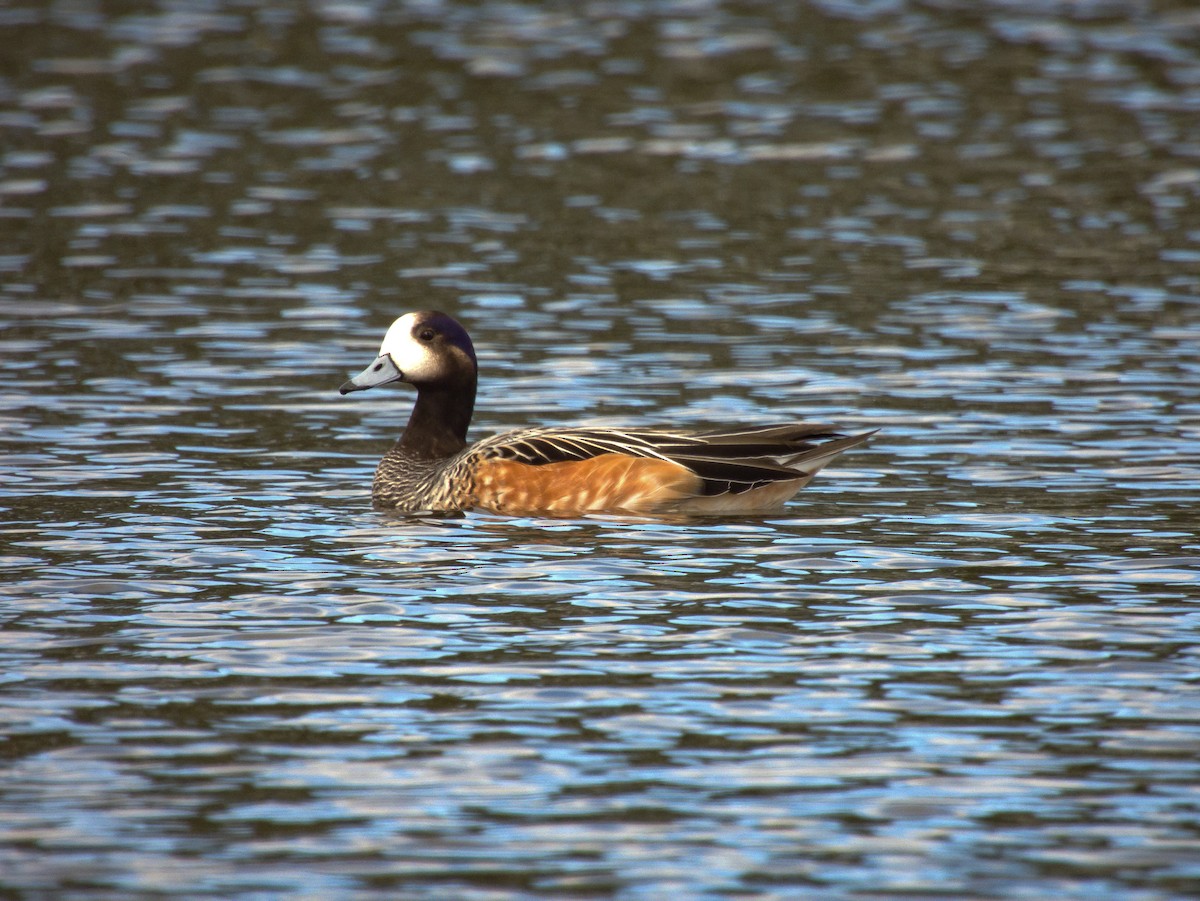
[(440, 417)]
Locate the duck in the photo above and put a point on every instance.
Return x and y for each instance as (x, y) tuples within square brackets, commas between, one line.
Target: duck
[(559, 471)]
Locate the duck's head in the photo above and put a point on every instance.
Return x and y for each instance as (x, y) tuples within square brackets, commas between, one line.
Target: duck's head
[(424, 349)]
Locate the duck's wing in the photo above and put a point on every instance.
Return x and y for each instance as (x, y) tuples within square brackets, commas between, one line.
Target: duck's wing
[(726, 462)]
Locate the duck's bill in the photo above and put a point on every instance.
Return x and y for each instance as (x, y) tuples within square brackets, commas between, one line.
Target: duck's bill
[(382, 371)]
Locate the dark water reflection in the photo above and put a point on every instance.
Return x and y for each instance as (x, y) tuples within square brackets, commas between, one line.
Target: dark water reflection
[(962, 664)]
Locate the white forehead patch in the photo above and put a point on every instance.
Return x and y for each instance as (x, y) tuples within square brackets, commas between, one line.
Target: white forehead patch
[(415, 360)]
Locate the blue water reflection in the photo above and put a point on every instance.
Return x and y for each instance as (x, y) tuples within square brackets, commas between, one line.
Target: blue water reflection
[(961, 664)]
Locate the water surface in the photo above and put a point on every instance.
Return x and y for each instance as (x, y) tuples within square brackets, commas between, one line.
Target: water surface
[(963, 663)]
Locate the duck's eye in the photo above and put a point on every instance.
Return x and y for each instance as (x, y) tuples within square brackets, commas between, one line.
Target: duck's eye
[(427, 334)]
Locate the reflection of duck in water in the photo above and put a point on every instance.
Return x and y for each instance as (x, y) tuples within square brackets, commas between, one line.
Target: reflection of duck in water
[(569, 471)]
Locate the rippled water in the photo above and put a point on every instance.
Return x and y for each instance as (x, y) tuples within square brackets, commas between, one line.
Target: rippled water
[(962, 664)]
